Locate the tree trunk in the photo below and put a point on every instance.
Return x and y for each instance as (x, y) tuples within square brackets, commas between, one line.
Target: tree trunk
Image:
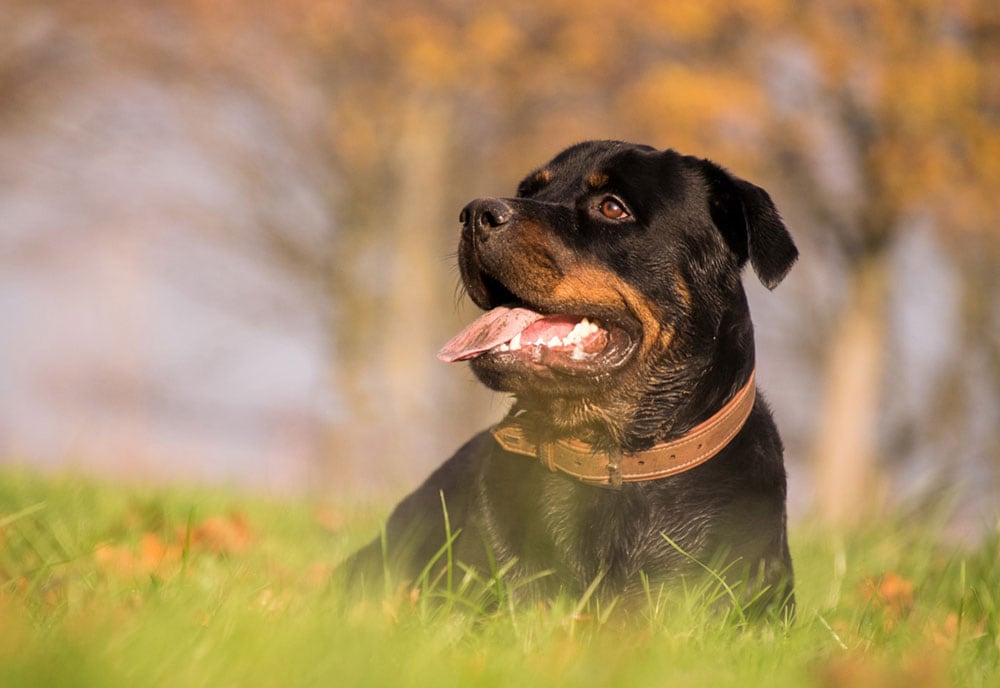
[(847, 477), (417, 291)]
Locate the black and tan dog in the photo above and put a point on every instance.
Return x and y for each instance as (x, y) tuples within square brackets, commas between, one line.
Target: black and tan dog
[(616, 317)]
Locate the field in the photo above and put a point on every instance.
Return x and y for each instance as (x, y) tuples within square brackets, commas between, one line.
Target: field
[(111, 585)]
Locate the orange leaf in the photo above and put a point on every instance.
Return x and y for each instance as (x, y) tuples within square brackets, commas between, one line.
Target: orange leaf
[(229, 535), (329, 518), (891, 592)]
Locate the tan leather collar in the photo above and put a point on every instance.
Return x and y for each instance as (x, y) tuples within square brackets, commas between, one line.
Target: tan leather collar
[(580, 460)]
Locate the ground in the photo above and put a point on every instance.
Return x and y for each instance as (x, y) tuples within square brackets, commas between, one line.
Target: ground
[(118, 585)]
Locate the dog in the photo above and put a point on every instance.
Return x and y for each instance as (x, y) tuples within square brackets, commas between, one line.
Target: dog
[(637, 451)]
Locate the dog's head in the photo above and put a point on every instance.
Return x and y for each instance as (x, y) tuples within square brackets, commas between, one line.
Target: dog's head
[(613, 263)]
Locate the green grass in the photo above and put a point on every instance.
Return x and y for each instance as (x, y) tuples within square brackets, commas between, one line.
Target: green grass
[(104, 585)]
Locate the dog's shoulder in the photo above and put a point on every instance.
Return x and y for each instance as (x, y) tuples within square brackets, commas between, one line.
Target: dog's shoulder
[(451, 479), (417, 527)]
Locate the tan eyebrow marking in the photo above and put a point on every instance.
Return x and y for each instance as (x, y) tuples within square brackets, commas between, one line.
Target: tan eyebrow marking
[(597, 180), (543, 176)]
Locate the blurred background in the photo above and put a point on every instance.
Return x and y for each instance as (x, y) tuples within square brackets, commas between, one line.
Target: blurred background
[(227, 226)]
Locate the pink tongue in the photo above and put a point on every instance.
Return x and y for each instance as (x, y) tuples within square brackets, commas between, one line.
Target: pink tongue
[(489, 330)]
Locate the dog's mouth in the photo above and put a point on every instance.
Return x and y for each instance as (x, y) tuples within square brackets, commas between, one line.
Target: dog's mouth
[(515, 333)]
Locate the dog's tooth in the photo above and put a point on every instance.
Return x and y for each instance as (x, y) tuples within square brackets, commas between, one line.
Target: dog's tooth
[(577, 354), (503, 347), (515, 343), (555, 341)]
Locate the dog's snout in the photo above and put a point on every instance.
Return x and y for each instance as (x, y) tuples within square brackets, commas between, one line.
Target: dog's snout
[(485, 214)]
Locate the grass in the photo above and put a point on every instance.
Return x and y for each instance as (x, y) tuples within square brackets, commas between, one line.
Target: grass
[(104, 585)]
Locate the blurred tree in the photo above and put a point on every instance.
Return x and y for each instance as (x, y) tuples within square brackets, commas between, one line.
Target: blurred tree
[(141, 153), (869, 116), (864, 118), (872, 117)]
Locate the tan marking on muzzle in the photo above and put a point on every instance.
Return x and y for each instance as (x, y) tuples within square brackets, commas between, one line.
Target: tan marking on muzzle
[(597, 286), (528, 264)]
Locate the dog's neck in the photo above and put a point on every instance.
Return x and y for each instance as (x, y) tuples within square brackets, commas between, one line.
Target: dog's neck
[(658, 402), (695, 379), (662, 413), (614, 467), (669, 410)]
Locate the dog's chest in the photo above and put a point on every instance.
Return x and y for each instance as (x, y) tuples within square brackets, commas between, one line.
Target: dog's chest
[(547, 522)]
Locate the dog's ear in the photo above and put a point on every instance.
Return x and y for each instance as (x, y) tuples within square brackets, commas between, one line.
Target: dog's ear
[(750, 224)]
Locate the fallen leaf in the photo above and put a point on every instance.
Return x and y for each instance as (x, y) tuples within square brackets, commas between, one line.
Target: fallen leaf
[(220, 535), (329, 518), (947, 633), (891, 592), (319, 573), (154, 556), (154, 552), (917, 670)]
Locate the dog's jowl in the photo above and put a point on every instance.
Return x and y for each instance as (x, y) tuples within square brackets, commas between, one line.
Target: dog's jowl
[(638, 450)]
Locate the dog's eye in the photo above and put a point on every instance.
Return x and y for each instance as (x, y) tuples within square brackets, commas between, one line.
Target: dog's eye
[(613, 209)]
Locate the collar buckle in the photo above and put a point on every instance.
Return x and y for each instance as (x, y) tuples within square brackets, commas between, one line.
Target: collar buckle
[(615, 469)]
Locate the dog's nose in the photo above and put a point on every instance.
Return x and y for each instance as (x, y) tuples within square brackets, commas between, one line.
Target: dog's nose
[(485, 214)]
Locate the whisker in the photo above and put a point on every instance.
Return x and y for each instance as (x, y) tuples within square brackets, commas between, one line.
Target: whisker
[(459, 294)]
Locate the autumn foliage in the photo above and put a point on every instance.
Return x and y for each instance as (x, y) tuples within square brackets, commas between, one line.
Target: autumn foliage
[(867, 121), (217, 535)]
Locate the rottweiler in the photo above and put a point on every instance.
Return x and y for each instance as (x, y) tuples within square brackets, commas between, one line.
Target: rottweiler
[(637, 451)]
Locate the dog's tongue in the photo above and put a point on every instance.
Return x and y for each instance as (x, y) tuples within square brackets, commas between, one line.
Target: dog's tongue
[(491, 329)]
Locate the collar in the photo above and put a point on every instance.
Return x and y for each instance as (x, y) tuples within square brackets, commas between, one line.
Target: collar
[(582, 461)]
